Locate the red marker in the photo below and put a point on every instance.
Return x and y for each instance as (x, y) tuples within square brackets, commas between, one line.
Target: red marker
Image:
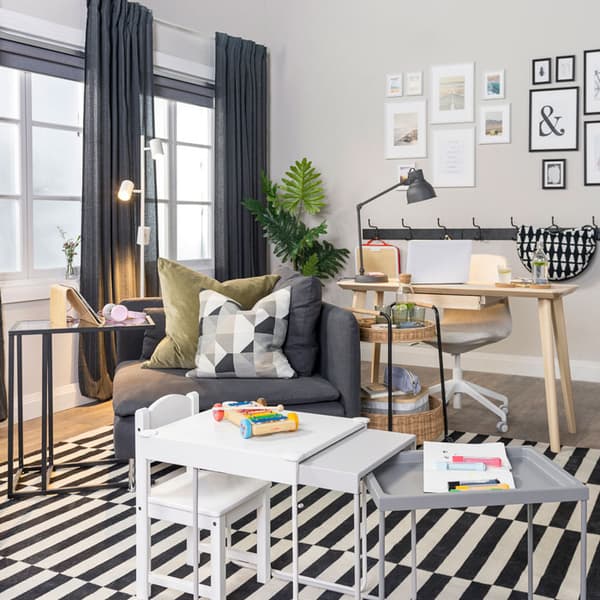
[(490, 462)]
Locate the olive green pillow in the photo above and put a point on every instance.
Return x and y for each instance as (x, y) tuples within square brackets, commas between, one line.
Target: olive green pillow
[(180, 288)]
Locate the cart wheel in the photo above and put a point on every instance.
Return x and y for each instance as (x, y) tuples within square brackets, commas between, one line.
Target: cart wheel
[(246, 428), (502, 427), (292, 416), (218, 414)]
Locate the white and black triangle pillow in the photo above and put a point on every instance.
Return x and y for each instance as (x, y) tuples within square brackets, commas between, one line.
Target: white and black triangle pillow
[(242, 343), (569, 251)]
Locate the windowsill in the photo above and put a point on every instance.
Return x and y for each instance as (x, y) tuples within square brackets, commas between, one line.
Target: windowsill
[(30, 290)]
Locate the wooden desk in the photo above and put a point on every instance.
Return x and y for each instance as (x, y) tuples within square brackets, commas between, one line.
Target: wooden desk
[(551, 316)]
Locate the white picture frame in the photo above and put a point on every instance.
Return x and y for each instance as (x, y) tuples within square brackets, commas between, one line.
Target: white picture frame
[(493, 85), (452, 93), (453, 152), (414, 83), (554, 119), (591, 82), (494, 124), (393, 86), (592, 153), (406, 129), (403, 171)]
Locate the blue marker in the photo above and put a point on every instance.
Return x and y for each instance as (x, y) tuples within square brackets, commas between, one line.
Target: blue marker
[(446, 466)]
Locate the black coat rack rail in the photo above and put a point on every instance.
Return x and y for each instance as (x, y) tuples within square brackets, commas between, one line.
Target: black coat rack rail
[(477, 233)]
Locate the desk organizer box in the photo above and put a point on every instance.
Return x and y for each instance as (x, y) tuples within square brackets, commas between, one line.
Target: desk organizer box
[(427, 425)]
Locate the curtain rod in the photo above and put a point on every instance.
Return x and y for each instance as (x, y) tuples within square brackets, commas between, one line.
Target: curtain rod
[(183, 28)]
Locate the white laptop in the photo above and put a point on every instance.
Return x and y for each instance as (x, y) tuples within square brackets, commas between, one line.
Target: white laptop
[(439, 261)]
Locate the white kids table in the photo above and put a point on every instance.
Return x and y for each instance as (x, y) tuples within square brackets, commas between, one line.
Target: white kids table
[(334, 453)]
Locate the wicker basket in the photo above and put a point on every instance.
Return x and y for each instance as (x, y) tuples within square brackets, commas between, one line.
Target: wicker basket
[(426, 426), (413, 334)]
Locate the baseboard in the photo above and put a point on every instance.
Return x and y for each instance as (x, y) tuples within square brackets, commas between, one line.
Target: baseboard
[(488, 362), (65, 396)]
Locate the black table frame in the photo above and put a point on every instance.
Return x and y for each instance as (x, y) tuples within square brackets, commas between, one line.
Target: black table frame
[(47, 465)]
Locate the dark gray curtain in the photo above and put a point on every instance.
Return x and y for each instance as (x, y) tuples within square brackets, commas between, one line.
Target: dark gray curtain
[(240, 155), (118, 107), (3, 414)]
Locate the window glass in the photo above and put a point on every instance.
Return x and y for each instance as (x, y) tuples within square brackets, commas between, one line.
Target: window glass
[(9, 97), (55, 100), (193, 236), (48, 216), (193, 124), (10, 261), (57, 159), (192, 174), (9, 158), (161, 118)]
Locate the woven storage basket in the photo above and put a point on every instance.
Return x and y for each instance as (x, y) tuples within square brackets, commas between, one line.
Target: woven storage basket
[(426, 426), (413, 334)]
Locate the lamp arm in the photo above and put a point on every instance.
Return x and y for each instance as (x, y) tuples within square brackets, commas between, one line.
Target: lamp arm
[(361, 204)]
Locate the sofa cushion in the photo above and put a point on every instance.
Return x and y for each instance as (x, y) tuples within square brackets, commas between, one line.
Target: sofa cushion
[(135, 388), (301, 346), (180, 287), (153, 335), (242, 343)]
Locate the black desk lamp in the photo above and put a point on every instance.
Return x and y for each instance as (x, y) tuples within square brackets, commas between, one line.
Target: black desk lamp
[(419, 189)]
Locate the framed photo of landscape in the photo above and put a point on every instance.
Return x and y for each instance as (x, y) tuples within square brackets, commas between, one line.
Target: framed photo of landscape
[(405, 129), (393, 87), (494, 124), (554, 119), (493, 85), (452, 93), (591, 82), (591, 135), (554, 174)]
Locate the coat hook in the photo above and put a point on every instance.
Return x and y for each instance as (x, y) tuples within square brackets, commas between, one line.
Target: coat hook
[(410, 233), (554, 226), (375, 228), (512, 224), (479, 237), (445, 236)]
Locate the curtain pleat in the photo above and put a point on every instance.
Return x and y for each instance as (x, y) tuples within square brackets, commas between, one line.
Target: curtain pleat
[(118, 108), (240, 155), (3, 413)]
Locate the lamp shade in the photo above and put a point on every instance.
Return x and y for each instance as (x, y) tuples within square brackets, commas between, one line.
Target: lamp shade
[(125, 190), (419, 188), (156, 148)]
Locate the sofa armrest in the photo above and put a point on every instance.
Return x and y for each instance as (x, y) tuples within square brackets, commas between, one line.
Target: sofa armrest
[(339, 355), (129, 343)]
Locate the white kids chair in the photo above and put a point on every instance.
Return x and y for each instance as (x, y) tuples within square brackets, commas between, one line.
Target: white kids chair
[(198, 500)]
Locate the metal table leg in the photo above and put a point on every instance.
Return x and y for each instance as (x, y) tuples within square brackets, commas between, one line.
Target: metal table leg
[(438, 333), (11, 413), (583, 551), (381, 565), (357, 562), (363, 495), (50, 397), (413, 554), (20, 402), (530, 552), (44, 448), (295, 566)]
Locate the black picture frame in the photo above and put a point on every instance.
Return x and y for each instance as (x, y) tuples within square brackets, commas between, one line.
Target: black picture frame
[(587, 83), (536, 78), (562, 184), (586, 150), (574, 115), (559, 59)]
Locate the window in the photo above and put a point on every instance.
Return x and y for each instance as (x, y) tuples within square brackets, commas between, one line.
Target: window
[(184, 182), (40, 171)]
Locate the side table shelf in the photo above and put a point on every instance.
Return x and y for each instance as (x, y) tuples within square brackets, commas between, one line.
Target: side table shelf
[(379, 335)]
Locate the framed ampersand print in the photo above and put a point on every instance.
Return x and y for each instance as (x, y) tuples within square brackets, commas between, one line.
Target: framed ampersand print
[(554, 119)]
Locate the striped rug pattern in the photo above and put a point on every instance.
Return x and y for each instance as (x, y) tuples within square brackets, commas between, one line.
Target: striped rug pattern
[(83, 545)]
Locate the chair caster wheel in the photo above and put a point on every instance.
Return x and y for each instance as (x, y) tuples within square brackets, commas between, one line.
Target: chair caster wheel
[(504, 409), (502, 427)]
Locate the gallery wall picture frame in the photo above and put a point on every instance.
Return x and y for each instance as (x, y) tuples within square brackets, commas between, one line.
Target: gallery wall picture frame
[(564, 69), (403, 171), (452, 93), (393, 85), (591, 161), (493, 85), (453, 156), (494, 124), (406, 129), (554, 173), (414, 83), (554, 119), (591, 82), (541, 71)]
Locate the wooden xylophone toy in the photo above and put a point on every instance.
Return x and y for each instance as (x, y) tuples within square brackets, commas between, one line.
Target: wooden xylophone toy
[(255, 417)]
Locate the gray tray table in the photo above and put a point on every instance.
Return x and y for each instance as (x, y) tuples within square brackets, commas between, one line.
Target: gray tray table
[(398, 485)]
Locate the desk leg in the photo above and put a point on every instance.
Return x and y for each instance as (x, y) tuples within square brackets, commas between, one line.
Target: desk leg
[(20, 402), (295, 566), (44, 448), (381, 565), (583, 551), (142, 530), (562, 350), (413, 554), (50, 396), (11, 412), (546, 335), (530, 551)]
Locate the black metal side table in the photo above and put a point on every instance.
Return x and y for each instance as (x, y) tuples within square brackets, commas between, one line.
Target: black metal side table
[(47, 464)]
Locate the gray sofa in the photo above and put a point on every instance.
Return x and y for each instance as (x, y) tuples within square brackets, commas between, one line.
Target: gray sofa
[(332, 389)]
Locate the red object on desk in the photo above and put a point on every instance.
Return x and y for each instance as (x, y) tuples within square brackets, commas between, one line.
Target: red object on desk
[(490, 462)]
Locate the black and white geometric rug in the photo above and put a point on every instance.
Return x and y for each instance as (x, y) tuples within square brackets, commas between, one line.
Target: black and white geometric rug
[(83, 545)]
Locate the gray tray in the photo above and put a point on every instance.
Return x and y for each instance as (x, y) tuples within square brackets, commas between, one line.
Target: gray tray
[(398, 484)]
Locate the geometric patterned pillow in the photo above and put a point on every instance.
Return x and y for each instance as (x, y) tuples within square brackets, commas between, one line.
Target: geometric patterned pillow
[(242, 343)]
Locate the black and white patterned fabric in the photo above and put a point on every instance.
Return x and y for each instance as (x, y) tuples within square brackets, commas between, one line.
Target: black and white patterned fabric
[(82, 545), (242, 343), (569, 251)]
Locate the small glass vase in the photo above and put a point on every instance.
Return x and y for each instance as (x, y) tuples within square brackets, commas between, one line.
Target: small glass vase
[(70, 270)]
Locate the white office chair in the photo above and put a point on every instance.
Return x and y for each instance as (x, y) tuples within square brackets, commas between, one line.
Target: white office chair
[(219, 500), (466, 330)]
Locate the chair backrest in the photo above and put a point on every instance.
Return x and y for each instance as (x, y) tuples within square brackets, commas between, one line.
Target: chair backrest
[(484, 268), (167, 409)]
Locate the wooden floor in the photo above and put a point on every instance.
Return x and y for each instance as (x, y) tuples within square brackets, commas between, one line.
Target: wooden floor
[(527, 417)]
